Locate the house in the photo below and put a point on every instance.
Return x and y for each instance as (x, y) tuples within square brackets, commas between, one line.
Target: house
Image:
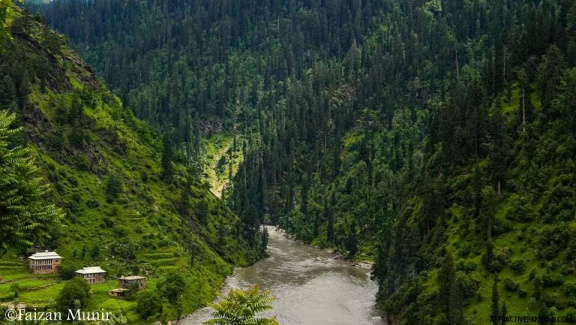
[(139, 283), (131, 280), (118, 293), (44, 262), (92, 274)]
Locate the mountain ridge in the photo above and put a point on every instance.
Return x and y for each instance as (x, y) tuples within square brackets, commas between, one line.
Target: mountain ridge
[(104, 166)]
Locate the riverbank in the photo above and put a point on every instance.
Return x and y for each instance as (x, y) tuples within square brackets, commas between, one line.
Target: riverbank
[(311, 286), (363, 264)]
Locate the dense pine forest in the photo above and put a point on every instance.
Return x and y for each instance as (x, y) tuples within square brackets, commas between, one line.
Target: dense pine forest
[(436, 138), (81, 175)]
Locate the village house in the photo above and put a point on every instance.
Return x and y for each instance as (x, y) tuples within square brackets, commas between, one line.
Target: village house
[(44, 262), (93, 274), (125, 283), (118, 293)]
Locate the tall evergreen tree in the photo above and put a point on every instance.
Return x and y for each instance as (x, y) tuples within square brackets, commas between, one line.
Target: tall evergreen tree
[(167, 157), (495, 308)]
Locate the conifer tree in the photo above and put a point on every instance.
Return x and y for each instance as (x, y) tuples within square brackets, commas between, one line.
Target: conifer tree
[(495, 302), (167, 156), (503, 313), (446, 277)]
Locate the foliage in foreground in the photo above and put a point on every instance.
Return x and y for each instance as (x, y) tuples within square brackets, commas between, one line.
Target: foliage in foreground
[(240, 307), (24, 215)]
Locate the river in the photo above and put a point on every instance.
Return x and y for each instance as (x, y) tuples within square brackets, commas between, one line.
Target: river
[(311, 287)]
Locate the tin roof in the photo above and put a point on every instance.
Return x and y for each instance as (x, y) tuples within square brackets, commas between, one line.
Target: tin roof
[(90, 270), (46, 255)]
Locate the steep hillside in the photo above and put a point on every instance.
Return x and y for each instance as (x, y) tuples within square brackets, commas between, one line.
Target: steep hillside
[(123, 211), (434, 137)]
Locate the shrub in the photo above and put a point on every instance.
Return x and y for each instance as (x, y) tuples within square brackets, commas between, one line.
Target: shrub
[(551, 301), (468, 287), (495, 266), (466, 266), (144, 176), (77, 198), (82, 163), (73, 206), (172, 286), (75, 294), (550, 280), (124, 249), (16, 288), (510, 285), (532, 275), (73, 181), (113, 188), (501, 227), (68, 270), (571, 315), (552, 241), (107, 222), (518, 266), (148, 304), (571, 251), (465, 250), (522, 293), (93, 204), (569, 288), (132, 291), (242, 307)]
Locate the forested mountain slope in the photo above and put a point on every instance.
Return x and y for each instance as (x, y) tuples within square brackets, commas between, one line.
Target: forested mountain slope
[(436, 136), (132, 205)]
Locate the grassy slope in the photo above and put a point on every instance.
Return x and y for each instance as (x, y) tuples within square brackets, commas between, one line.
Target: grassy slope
[(221, 156), (518, 244), (143, 220)]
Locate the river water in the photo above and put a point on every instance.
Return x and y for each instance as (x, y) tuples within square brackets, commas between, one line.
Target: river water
[(311, 287)]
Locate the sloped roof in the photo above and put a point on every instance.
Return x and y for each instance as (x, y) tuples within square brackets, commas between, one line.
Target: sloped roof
[(90, 270), (46, 255)]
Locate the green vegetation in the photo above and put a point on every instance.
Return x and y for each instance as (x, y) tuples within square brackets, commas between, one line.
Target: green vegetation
[(223, 155), (149, 305), (74, 295), (133, 204), (24, 216), (5, 20), (435, 137), (242, 307)]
